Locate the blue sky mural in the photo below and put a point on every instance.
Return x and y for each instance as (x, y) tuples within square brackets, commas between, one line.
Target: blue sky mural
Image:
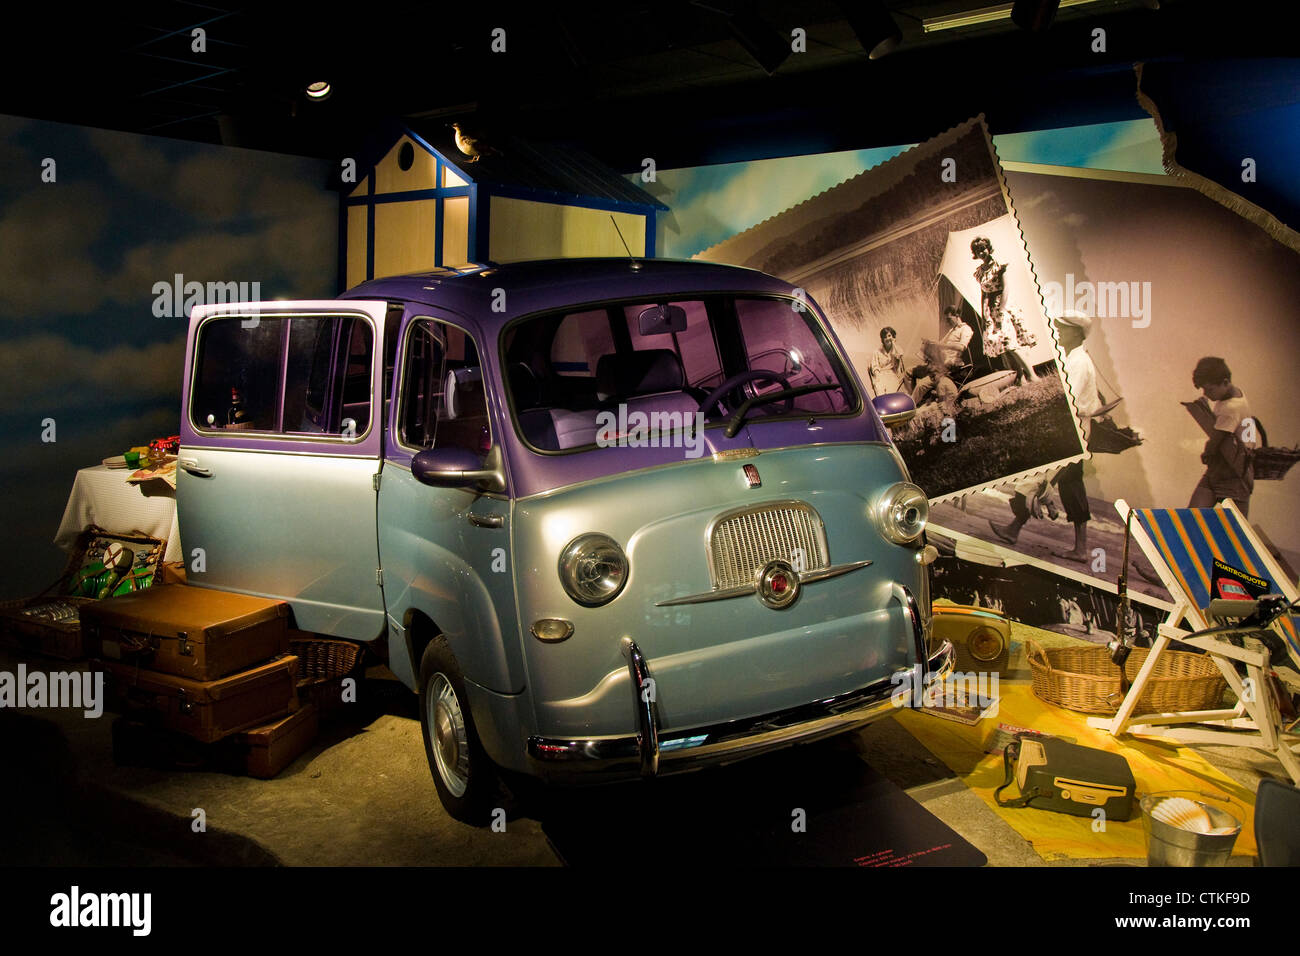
[(79, 340), (710, 203)]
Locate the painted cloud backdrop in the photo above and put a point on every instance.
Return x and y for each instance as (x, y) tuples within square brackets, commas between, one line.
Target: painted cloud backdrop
[(79, 341)]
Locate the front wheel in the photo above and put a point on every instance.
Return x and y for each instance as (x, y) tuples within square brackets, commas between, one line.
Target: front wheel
[(464, 775)]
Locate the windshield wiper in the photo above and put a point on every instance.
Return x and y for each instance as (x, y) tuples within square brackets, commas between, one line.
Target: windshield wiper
[(738, 417)]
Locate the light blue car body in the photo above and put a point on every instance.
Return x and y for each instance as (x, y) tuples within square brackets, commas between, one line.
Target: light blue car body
[(345, 532)]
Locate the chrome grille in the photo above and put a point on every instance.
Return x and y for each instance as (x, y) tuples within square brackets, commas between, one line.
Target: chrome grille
[(744, 541)]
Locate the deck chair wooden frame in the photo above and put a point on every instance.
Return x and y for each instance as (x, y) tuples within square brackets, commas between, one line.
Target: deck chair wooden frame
[(1255, 721)]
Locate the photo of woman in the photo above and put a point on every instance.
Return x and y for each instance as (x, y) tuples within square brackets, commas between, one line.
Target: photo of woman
[(1003, 332)]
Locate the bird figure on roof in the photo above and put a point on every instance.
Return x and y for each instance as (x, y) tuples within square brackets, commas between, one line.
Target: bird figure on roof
[(473, 147)]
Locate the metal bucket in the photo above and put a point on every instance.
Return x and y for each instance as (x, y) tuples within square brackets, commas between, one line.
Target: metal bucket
[(1173, 846)]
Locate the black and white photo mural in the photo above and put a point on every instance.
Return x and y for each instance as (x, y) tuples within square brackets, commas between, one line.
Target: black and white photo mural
[(920, 266)]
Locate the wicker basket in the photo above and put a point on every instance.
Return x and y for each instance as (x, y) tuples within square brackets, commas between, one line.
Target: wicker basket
[(1085, 679), (323, 663), (63, 639), (1107, 438), (1272, 464)]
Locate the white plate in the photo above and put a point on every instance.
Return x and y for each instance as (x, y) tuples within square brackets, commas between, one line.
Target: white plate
[(117, 461)]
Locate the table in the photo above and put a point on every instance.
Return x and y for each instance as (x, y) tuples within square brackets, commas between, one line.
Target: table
[(101, 496)]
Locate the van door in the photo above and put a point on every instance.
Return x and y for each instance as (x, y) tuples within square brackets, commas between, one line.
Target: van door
[(281, 437), (446, 551)]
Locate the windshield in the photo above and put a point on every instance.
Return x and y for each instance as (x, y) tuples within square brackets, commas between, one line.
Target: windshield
[(581, 378)]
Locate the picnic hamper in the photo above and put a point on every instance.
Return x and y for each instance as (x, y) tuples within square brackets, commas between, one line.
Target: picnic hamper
[(1085, 679)]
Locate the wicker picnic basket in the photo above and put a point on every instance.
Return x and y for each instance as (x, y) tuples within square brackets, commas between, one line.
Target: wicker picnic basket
[(23, 623), (1085, 679), (323, 663)]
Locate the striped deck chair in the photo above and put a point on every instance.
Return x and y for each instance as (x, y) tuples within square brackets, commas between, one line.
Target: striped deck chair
[(1183, 544)]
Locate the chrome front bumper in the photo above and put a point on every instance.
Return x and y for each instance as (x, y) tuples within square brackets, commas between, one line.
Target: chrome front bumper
[(652, 752)]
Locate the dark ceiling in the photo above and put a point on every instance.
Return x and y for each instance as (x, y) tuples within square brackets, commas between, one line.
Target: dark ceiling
[(678, 81)]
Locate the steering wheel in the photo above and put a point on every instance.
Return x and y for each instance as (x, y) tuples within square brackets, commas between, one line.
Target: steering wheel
[(740, 378)]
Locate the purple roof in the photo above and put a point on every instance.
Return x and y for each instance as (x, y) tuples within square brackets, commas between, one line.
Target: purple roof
[(545, 284), (468, 294)]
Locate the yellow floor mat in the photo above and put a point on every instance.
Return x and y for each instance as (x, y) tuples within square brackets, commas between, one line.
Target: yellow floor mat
[(1158, 764)]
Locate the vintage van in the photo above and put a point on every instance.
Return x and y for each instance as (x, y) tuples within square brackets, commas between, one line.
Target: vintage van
[(606, 517)]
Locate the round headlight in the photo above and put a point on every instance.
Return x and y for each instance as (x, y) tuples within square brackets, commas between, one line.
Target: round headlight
[(901, 512), (593, 569)]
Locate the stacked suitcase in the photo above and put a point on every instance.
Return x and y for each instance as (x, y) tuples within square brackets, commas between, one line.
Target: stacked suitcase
[(213, 666)]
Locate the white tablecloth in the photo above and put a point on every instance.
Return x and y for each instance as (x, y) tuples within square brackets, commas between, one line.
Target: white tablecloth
[(101, 496)]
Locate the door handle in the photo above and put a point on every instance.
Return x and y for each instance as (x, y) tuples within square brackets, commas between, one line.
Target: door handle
[(486, 521), (192, 466)]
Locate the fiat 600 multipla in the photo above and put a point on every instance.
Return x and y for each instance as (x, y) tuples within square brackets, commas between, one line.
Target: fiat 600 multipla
[(606, 517)]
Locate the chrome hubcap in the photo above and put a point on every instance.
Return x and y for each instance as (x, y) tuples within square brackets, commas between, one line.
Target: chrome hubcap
[(450, 739)]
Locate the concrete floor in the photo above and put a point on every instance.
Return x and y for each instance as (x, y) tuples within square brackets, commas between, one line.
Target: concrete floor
[(363, 795)]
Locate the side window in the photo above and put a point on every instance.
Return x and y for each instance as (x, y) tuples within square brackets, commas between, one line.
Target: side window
[(356, 363), (392, 322), (443, 403), (328, 365), (581, 339), (302, 375), (315, 364), (236, 385)]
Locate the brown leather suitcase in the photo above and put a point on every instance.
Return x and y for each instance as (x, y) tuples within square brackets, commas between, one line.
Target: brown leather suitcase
[(190, 632), (206, 710), (274, 746)]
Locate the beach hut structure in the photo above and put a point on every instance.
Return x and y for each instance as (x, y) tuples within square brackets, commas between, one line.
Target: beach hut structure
[(425, 204)]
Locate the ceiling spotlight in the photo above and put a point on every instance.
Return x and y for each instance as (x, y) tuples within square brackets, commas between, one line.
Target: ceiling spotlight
[(875, 27), (318, 90), (1034, 15)]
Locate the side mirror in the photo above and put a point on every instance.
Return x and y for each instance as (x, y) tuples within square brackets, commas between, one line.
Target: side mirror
[(894, 408), (458, 468)]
